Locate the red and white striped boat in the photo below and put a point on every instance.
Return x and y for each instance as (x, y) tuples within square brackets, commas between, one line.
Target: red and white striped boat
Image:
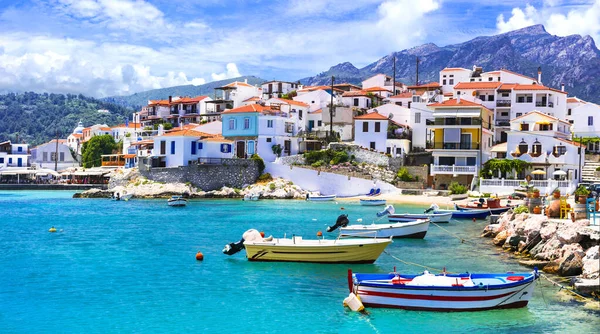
[(444, 292)]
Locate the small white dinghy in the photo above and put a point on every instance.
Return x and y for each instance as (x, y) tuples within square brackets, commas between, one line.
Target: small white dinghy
[(177, 201), (372, 201), (251, 197), (319, 198), (416, 229)]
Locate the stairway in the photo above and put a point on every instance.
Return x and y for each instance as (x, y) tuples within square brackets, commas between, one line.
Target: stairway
[(587, 172)]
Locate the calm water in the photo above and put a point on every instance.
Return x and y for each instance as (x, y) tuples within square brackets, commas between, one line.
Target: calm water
[(130, 267)]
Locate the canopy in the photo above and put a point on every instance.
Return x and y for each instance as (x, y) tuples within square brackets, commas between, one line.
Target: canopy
[(559, 172), (543, 122), (538, 172)]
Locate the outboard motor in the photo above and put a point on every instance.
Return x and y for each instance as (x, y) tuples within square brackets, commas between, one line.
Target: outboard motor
[(432, 208), (342, 221), (389, 210), (233, 247)]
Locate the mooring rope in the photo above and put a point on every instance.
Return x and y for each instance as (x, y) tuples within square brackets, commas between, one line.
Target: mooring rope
[(562, 287), (462, 240), (416, 264)]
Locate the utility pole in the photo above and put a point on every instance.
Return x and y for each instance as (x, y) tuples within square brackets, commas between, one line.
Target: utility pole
[(579, 151), (394, 79), (480, 141), (331, 109), (417, 83), (56, 153)]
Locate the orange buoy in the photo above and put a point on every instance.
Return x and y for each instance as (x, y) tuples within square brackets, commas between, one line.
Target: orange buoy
[(262, 234), (199, 256), (474, 220), (342, 208), (319, 234)]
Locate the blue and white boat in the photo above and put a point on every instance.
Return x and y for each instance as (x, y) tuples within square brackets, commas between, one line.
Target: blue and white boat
[(443, 292), (319, 198), (409, 217), (373, 201), (460, 213)]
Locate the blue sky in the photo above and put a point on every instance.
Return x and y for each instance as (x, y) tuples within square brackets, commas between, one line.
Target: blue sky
[(119, 47)]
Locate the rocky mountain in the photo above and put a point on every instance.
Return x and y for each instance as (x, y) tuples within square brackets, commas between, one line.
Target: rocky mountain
[(137, 100), (573, 60)]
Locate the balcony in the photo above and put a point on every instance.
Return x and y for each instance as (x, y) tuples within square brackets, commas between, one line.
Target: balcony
[(456, 121), (453, 146), (453, 169), (544, 104), (505, 123), (503, 103)]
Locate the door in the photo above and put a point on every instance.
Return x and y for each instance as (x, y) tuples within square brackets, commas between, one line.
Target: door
[(311, 125), (503, 137), (20, 162), (287, 147), (240, 149), (465, 141)]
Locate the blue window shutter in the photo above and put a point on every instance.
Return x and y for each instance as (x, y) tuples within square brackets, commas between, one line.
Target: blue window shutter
[(200, 146), (228, 148), (193, 148), (173, 147)]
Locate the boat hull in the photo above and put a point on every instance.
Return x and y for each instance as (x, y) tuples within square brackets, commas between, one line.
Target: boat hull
[(317, 251), (494, 211), (179, 202), (372, 202), (413, 230), (466, 214), (445, 298), (321, 198), (408, 217)]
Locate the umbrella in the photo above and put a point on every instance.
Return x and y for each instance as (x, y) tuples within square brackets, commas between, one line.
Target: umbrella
[(560, 172), (538, 172)]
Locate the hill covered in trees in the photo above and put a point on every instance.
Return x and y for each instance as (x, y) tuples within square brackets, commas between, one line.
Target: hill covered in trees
[(34, 118)]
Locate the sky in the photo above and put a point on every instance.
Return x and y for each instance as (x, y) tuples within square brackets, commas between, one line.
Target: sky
[(118, 47)]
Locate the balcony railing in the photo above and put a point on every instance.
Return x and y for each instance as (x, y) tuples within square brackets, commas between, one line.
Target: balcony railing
[(544, 104), (453, 146), (502, 123), (453, 169), (503, 103), (457, 121)]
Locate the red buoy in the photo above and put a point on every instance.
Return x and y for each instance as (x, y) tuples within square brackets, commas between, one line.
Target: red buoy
[(199, 256), (262, 234), (474, 220), (319, 234)]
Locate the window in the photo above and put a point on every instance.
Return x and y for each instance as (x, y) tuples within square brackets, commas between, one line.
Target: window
[(372, 145), (505, 94), (471, 161), (1, 160), (194, 148), (447, 161), (524, 127), (163, 147), (173, 147), (232, 124), (590, 120), (451, 75), (490, 97), (490, 79), (19, 149), (45, 156), (451, 82), (560, 150), (300, 114), (498, 78), (444, 82), (200, 146), (569, 112), (458, 93), (53, 156), (388, 150), (482, 97), (519, 114), (319, 123), (225, 148), (365, 126), (520, 99), (269, 140), (377, 126), (408, 104), (356, 102), (398, 150), (246, 123), (417, 117), (269, 123), (10, 160), (504, 114), (62, 156), (571, 121), (399, 103), (444, 76)]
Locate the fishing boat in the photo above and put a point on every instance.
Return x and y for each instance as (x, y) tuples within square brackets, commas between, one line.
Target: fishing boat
[(492, 204), (319, 198), (121, 197), (251, 197), (414, 229), (298, 249), (433, 217), (372, 201), (460, 213), (443, 292), (177, 201)]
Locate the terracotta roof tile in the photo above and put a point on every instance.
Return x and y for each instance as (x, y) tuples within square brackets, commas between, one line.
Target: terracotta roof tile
[(478, 85), (292, 102), (377, 89), (455, 103), (406, 95), (187, 133), (427, 85), (355, 93), (372, 116), (248, 108), (450, 69)]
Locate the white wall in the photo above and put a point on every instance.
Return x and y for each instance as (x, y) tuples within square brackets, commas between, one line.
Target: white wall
[(456, 76), (364, 139), (37, 156), (580, 116), (214, 127), (327, 183), (316, 99)]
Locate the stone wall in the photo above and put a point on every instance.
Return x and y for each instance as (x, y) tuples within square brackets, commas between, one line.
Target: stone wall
[(291, 160), (234, 173), (361, 154)]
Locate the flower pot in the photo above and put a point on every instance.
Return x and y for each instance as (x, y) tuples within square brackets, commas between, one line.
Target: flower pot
[(536, 194), (537, 210), (556, 194), (573, 216), (582, 199)]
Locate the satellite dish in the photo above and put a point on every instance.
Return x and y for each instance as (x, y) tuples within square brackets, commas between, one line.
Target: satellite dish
[(390, 116)]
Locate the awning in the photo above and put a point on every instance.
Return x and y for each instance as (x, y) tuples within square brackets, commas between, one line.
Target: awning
[(41, 174), (538, 172), (9, 173), (456, 114), (499, 148), (559, 172), (543, 122)]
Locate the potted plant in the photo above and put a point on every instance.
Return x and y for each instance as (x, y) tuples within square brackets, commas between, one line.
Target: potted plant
[(556, 193), (582, 192), (537, 210), (536, 193)]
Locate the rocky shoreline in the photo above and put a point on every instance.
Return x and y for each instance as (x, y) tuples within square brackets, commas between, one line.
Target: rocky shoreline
[(558, 247), (131, 182)]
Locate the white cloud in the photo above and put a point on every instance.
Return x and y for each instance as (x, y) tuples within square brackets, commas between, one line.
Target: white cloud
[(583, 19), (519, 19), (231, 72)]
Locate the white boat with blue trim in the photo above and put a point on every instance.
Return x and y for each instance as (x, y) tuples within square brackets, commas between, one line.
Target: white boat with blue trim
[(416, 229), (177, 201), (319, 198), (372, 201), (443, 292)]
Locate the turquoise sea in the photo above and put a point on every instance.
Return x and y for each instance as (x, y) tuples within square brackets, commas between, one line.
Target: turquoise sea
[(131, 267)]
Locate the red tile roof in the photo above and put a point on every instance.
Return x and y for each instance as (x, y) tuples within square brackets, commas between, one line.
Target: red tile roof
[(478, 85), (130, 126), (455, 103), (190, 99), (575, 100), (217, 138), (377, 89), (237, 83), (406, 95), (313, 88), (254, 98), (572, 142), (318, 111), (247, 108), (187, 133), (375, 116), (129, 156), (292, 102), (426, 85), (450, 69), (355, 93)]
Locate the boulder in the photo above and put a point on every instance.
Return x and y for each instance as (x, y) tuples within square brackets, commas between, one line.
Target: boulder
[(591, 263), (552, 267), (533, 225), (571, 265), (500, 238), (548, 230), (537, 248), (550, 251), (513, 241)]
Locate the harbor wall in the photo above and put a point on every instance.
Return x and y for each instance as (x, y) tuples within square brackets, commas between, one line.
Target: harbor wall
[(233, 173), (327, 183), (32, 186)]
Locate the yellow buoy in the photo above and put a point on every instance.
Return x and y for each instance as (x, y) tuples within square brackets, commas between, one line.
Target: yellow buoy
[(52, 230)]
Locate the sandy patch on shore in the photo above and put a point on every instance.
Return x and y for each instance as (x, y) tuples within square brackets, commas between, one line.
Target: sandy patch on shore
[(398, 198)]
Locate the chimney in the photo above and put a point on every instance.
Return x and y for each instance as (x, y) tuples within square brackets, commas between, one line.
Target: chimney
[(458, 98), (562, 87), (540, 75), (246, 80), (170, 98)]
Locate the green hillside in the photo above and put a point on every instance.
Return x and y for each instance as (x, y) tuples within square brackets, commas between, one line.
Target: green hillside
[(35, 118), (140, 99)]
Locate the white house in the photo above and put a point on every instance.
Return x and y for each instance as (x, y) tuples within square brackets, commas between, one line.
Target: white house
[(235, 94), (46, 155), (383, 81), (357, 99), (14, 155), (179, 148), (414, 118), (585, 119), (370, 131), (296, 109), (275, 88)]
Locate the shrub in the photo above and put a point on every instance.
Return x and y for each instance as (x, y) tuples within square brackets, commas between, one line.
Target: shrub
[(272, 186), (339, 157), (318, 164), (582, 191), (457, 189), (265, 177), (404, 175), (261, 163), (521, 209), (277, 149), (598, 169), (314, 156)]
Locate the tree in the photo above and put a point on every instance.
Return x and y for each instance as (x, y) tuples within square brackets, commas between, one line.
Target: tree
[(93, 149)]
